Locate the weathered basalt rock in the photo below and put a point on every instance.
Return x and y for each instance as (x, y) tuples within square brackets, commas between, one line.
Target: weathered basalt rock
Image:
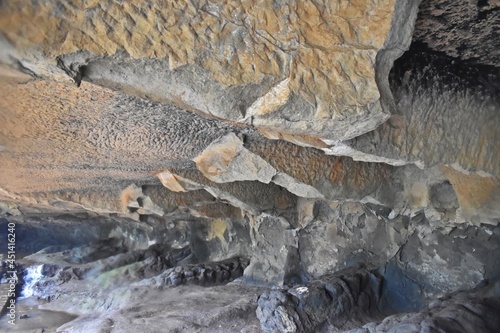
[(462, 313), (309, 138), (467, 30), (304, 67), (209, 274), (271, 235), (349, 233), (447, 114), (339, 299), (251, 196), (226, 160)]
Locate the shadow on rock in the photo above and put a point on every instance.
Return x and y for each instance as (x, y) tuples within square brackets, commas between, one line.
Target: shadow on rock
[(344, 300)]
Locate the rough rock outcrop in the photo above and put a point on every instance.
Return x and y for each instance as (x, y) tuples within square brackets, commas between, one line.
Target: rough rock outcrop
[(460, 313), (118, 286), (339, 299), (271, 235), (467, 30), (96, 167), (302, 67), (209, 274), (251, 196), (144, 144), (447, 114), (417, 260)]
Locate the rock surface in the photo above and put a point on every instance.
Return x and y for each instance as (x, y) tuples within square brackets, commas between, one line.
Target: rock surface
[(453, 28), (279, 144), (447, 114), (339, 299), (115, 292), (313, 61), (459, 313)]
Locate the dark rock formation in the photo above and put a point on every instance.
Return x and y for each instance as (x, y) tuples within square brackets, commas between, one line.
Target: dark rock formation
[(467, 30), (461, 313), (208, 274), (342, 299), (142, 144)]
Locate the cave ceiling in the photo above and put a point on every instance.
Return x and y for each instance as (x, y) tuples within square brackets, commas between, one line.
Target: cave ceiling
[(278, 141)]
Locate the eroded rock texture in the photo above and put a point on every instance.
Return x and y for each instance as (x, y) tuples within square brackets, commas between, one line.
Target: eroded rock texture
[(302, 67), (271, 148), (459, 313), (346, 297)]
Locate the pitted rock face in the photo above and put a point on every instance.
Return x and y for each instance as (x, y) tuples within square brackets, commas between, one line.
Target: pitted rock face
[(316, 60), (467, 30), (447, 114), (312, 137)]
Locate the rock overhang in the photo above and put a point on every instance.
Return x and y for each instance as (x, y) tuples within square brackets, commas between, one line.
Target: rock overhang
[(403, 103)]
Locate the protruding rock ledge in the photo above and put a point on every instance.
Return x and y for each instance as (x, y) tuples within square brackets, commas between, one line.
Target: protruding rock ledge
[(298, 68)]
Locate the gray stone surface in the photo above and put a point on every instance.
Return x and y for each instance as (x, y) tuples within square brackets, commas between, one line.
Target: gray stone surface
[(418, 261), (462, 313), (308, 137), (340, 300), (467, 30), (272, 248), (343, 235), (435, 98), (208, 274)]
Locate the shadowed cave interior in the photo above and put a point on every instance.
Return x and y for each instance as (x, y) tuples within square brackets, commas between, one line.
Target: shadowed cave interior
[(253, 166)]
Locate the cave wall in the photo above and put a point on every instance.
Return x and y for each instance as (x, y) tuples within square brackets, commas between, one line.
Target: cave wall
[(308, 136)]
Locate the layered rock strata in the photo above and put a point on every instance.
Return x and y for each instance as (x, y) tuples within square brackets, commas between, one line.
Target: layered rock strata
[(144, 144)]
